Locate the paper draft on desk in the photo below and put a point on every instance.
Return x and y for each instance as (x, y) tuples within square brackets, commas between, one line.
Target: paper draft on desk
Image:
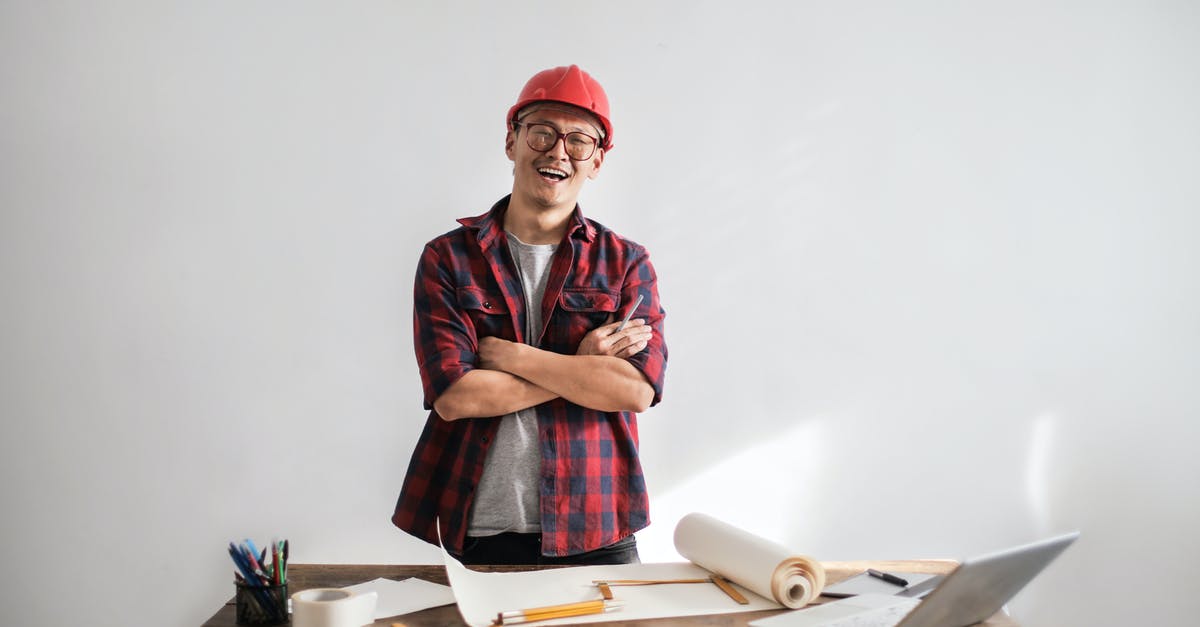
[(481, 595), (404, 597), (752, 564)]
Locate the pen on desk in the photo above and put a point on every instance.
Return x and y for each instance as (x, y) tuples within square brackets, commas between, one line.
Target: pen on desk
[(556, 611), (888, 577), (629, 315)]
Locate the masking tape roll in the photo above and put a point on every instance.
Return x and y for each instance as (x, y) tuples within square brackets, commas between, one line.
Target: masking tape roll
[(333, 607)]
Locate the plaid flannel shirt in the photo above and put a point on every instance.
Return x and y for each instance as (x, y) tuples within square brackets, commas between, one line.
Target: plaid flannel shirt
[(592, 491)]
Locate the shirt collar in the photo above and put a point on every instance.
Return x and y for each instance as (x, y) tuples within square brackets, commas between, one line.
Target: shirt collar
[(490, 225)]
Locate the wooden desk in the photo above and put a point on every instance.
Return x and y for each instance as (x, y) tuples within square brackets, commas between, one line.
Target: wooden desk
[(305, 576)]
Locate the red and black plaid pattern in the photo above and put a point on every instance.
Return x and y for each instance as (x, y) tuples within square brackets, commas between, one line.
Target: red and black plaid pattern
[(593, 492)]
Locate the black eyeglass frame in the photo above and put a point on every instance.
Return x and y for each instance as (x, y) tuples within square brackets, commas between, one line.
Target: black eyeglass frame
[(558, 136)]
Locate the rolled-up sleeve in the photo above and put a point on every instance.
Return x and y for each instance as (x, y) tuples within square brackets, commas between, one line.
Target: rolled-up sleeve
[(652, 360), (444, 335)]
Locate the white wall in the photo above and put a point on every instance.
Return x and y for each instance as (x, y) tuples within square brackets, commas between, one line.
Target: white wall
[(931, 276)]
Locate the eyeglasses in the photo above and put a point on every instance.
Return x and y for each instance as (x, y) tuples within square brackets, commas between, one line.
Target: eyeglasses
[(543, 137)]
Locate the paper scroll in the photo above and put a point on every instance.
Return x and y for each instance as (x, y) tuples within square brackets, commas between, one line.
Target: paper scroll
[(755, 563)]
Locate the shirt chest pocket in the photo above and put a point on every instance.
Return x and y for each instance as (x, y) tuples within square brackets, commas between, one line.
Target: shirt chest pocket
[(487, 310), (579, 311)]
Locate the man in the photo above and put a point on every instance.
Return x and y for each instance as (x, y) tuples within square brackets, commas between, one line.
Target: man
[(530, 455)]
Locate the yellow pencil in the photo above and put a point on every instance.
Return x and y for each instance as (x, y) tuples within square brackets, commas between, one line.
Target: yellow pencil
[(556, 611), (648, 582)]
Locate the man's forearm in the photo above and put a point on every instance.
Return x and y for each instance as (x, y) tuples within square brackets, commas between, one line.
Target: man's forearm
[(600, 382), (484, 393), (511, 376)]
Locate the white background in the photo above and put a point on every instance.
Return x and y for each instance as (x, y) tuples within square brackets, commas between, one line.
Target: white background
[(930, 269)]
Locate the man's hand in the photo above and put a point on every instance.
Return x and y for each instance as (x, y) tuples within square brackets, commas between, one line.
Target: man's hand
[(606, 340)]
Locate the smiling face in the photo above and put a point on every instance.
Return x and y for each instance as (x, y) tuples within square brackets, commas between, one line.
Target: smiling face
[(551, 179)]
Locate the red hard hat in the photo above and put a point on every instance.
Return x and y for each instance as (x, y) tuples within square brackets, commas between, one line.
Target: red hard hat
[(569, 85)]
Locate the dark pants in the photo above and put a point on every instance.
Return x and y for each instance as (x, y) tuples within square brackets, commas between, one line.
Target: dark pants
[(526, 549)]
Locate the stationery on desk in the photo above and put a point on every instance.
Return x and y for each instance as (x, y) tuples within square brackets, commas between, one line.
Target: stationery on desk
[(261, 583), (888, 577), (263, 575), (760, 574), (253, 568), (551, 612), (873, 581)]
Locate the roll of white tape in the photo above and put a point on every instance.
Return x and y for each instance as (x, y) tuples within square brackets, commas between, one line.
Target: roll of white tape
[(333, 607)]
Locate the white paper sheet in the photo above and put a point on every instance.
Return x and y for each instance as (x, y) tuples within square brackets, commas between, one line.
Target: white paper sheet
[(403, 597), (756, 567), (864, 610), (481, 595)]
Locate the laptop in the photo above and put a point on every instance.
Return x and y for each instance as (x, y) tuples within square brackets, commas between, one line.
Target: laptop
[(973, 592)]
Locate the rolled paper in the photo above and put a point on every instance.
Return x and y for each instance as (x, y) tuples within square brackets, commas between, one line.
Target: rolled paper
[(755, 563)]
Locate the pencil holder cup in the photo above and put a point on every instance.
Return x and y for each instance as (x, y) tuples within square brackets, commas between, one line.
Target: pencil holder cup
[(262, 605)]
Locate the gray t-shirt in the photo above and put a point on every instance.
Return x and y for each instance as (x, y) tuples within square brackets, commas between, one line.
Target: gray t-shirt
[(508, 497)]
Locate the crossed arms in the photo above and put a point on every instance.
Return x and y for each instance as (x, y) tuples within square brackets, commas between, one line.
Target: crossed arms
[(511, 376), (469, 371)]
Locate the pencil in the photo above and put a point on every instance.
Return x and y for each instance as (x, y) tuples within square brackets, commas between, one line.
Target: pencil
[(648, 582), (630, 314), (556, 611)]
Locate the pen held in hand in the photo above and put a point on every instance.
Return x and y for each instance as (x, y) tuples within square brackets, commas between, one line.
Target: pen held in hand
[(629, 315)]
